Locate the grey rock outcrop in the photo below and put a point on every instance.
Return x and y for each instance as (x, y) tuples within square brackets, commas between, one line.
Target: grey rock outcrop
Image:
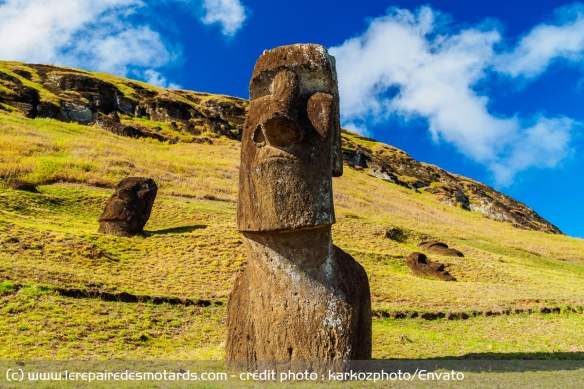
[(74, 95)]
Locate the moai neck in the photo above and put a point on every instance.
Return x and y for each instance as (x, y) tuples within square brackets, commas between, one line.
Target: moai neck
[(308, 249)]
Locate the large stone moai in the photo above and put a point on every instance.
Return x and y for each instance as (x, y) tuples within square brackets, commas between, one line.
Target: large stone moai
[(300, 298)]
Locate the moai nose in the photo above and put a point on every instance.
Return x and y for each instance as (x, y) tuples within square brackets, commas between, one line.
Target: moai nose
[(280, 126)]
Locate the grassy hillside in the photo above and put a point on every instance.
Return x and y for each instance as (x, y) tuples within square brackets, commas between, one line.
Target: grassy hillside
[(48, 240)]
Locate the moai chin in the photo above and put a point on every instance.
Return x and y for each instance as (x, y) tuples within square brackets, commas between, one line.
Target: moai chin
[(300, 298)]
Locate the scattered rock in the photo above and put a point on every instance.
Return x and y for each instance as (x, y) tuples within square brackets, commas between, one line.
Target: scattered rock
[(385, 176), (24, 186), (420, 265), (354, 158), (429, 316), (440, 249), (128, 209), (82, 97), (397, 234), (111, 123)]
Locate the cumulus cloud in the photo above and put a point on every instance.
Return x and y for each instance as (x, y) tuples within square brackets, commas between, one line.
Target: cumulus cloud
[(543, 145), (546, 43), (82, 33), (412, 64), (100, 35), (230, 14), (359, 128), (155, 78)]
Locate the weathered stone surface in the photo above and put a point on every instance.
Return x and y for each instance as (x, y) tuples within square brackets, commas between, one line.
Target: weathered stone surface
[(128, 209), (439, 248), (299, 298), (291, 139), (420, 265), (111, 123), (78, 96)]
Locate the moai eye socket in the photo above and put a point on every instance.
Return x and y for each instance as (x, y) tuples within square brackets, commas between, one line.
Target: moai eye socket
[(281, 131), (258, 137)]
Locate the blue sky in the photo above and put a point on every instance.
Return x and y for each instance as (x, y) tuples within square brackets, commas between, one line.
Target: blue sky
[(492, 90)]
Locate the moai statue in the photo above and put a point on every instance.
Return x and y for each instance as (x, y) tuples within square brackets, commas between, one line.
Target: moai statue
[(128, 209), (300, 298)]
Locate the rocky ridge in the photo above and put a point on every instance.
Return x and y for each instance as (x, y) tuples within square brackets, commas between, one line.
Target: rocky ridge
[(396, 166), (73, 95), (132, 108)]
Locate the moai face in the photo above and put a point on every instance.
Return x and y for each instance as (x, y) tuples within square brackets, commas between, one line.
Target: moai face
[(291, 144)]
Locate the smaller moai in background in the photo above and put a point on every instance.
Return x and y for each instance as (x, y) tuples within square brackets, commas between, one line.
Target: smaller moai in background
[(128, 209), (440, 249), (420, 265)]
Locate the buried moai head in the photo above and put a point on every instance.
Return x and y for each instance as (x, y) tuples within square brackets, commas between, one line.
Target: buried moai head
[(128, 209), (291, 144)]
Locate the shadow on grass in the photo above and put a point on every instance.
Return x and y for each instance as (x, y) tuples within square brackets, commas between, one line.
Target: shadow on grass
[(487, 362), (175, 230)]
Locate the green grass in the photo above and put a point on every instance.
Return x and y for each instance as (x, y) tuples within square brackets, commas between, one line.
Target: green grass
[(191, 249), (46, 151), (499, 337), (37, 323)]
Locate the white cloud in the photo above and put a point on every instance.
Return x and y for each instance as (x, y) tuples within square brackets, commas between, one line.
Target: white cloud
[(155, 78), (39, 30), (99, 35), (543, 145), (413, 65), (83, 33), (546, 43), (230, 14), (359, 128)]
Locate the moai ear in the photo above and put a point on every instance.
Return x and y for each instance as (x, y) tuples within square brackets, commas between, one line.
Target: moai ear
[(324, 115), (319, 109), (336, 141)]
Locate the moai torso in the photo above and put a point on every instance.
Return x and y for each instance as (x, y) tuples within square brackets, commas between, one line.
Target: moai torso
[(300, 298)]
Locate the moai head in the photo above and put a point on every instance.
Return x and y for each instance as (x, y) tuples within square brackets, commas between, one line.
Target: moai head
[(128, 209), (291, 144)]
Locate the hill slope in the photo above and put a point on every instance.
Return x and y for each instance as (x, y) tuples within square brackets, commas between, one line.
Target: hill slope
[(75, 95), (51, 254)]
